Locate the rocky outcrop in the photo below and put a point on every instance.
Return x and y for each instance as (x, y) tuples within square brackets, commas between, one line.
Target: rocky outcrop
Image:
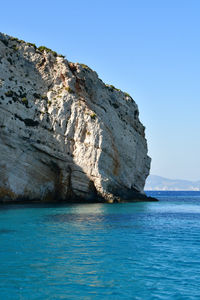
[(64, 134)]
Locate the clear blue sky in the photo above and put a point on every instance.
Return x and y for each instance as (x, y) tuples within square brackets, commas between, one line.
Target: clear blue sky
[(148, 48)]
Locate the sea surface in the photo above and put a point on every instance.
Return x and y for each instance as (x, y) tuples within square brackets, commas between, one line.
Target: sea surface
[(102, 251)]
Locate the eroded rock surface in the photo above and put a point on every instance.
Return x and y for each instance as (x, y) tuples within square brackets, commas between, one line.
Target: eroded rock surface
[(64, 134)]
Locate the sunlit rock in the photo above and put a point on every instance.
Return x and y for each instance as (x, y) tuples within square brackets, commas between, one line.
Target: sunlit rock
[(64, 134)]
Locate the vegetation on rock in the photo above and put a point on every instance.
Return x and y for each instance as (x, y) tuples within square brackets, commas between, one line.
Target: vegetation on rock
[(48, 50)]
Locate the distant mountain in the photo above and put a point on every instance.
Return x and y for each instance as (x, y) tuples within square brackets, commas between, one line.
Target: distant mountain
[(157, 183)]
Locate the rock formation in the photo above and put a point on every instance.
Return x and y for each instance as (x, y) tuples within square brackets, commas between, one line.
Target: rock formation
[(64, 134)]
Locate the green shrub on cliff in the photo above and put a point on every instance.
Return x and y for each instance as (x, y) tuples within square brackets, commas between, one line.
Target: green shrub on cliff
[(9, 93), (69, 90), (43, 48), (15, 47), (24, 100), (93, 116), (32, 45), (86, 67), (112, 87), (127, 95)]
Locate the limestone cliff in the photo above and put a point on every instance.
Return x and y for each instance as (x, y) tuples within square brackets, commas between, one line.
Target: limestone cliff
[(64, 134)]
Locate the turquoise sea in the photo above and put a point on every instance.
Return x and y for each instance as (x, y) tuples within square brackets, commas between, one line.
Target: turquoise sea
[(102, 251)]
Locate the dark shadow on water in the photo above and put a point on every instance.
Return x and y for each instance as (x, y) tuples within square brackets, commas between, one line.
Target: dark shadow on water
[(60, 204), (5, 231), (38, 204)]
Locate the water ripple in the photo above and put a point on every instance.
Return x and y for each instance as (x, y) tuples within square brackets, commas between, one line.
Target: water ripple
[(121, 251)]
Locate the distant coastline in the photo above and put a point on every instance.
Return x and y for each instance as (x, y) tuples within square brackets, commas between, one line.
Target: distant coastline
[(158, 183)]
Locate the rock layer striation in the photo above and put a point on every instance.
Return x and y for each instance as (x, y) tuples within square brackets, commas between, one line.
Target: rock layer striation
[(64, 134)]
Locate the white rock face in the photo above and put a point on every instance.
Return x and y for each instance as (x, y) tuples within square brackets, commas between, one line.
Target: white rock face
[(64, 134)]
